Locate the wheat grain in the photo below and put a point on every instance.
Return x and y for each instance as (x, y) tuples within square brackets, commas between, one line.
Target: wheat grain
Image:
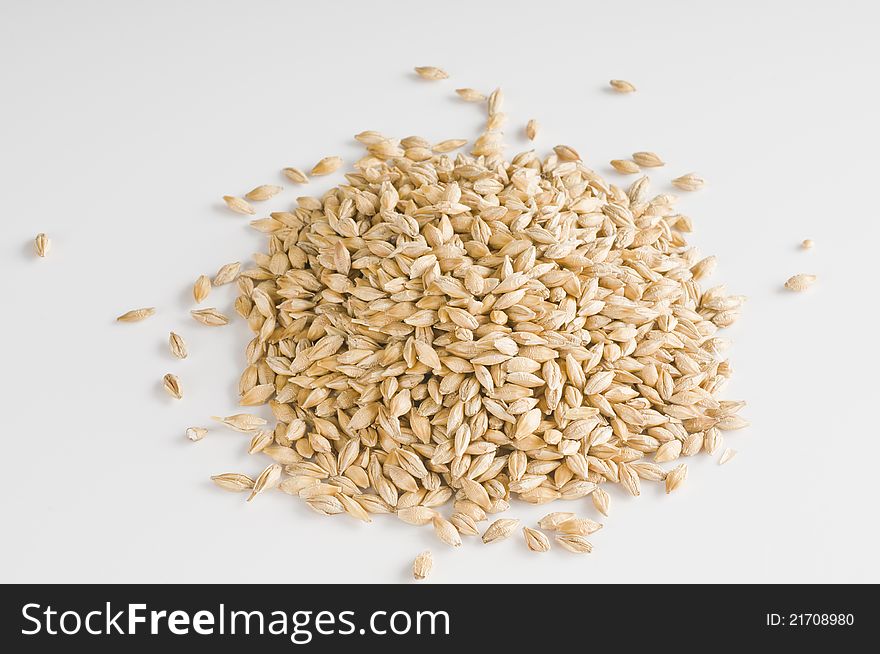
[(574, 543), (196, 433), (172, 386), (295, 175), (499, 530), (136, 315), (263, 192), (326, 166), (227, 273), (676, 477), (210, 317), (689, 182), (422, 565), (42, 244), (268, 479), (535, 540), (201, 289), (800, 282), (431, 73), (647, 159), (807, 244), (243, 422), (726, 456), (177, 345), (625, 166), (238, 205), (470, 95), (532, 128), (233, 481), (622, 86), (446, 531)]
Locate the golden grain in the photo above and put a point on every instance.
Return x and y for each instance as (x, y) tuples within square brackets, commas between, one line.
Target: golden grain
[(42, 244), (431, 72), (238, 205), (136, 315), (622, 86)]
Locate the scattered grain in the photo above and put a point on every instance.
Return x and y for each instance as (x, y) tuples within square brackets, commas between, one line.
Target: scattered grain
[(42, 244), (532, 129), (647, 159), (201, 289), (470, 95), (136, 315), (422, 565), (535, 540), (800, 283), (499, 530), (177, 345), (326, 166), (263, 192), (210, 317), (196, 433), (689, 182), (238, 205), (622, 86), (625, 166), (227, 273), (172, 386), (431, 72), (295, 175)]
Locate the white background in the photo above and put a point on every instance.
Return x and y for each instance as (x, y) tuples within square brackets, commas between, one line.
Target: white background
[(122, 124)]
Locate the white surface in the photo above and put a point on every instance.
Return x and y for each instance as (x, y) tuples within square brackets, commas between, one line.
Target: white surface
[(123, 123)]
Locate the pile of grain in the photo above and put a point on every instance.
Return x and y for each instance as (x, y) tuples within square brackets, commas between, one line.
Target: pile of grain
[(466, 328)]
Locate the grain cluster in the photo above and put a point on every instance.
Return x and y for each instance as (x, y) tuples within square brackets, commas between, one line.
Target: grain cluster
[(466, 328)]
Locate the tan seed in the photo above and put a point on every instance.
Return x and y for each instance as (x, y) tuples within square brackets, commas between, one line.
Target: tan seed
[(625, 166), (172, 385), (196, 433), (726, 456), (267, 480), (233, 481), (227, 273), (263, 192), (601, 500), (243, 422), (647, 159), (580, 526), (532, 129), (201, 289), (470, 95), (431, 72), (622, 86), (535, 540), (689, 182), (499, 530), (238, 205), (177, 345), (210, 317), (295, 175), (574, 543), (136, 315), (42, 245), (566, 153), (800, 282), (675, 478), (326, 166), (807, 244), (446, 531), (551, 521), (422, 565)]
